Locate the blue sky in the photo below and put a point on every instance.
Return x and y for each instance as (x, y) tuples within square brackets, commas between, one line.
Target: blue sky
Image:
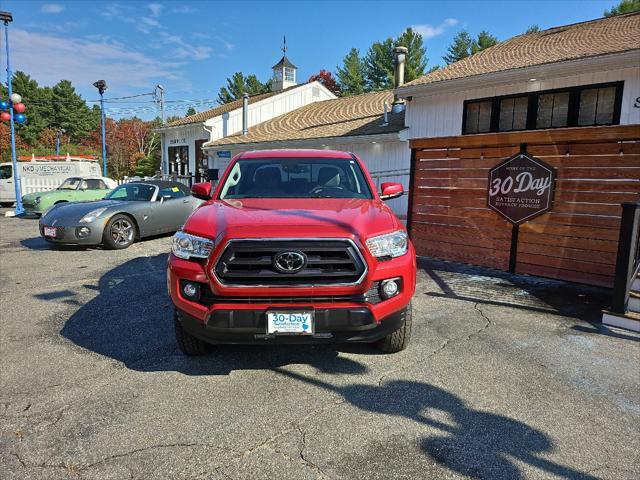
[(191, 47)]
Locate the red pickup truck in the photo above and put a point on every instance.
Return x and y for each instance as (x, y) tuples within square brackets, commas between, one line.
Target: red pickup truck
[(292, 246)]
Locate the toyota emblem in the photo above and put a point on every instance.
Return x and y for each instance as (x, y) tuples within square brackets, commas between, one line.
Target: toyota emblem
[(289, 262)]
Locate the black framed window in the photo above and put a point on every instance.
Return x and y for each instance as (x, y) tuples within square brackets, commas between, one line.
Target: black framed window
[(582, 106)]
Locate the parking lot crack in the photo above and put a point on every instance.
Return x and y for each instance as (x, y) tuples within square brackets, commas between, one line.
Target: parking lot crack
[(305, 460)]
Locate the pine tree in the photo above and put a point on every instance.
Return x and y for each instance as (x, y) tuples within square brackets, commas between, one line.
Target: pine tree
[(460, 47), (239, 84), (484, 40), (378, 65), (533, 29), (625, 6), (71, 113), (351, 75), (190, 111), (416, 60)]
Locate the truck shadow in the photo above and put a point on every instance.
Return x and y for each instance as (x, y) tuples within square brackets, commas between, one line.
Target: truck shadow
[(131, 321), (474, 443)]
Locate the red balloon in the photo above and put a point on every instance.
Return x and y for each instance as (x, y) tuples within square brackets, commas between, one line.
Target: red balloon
[(19, 107), (5, 116)]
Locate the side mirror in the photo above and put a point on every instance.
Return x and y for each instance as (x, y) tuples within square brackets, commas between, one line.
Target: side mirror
[(202, 190), (391, 190)]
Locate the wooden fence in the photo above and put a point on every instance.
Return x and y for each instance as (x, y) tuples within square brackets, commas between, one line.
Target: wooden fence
[(597, 168)]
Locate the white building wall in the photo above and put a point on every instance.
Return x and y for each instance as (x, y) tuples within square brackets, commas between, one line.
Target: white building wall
[(231, 123), (440, 114)]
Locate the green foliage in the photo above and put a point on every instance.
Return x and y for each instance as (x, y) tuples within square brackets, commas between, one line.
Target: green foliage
[(378, 63), (351, 75), (238, 84), (190, 111), (71, 113), (459, 48), (463, 45), (484, 40), (625, 6), (147, 166), (532, 29)]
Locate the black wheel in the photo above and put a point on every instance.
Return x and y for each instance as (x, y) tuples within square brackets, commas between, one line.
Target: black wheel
[(6, 204), (188, 344), (398, 340), (120, 232)]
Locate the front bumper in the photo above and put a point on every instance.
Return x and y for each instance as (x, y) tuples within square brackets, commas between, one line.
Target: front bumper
[(68, 234), (334, 325), (343, 313)]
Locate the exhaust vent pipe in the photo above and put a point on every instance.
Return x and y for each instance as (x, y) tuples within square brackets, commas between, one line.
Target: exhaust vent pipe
[(245, 113), (398, 62)]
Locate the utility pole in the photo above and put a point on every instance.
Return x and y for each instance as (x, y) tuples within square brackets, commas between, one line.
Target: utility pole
[(6, 17), (158, 94)]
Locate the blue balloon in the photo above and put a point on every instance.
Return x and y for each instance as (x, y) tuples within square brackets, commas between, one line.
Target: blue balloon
[(4, 105), (20, 117)]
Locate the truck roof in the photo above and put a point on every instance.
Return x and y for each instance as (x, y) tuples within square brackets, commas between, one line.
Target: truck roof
[(296, 153)]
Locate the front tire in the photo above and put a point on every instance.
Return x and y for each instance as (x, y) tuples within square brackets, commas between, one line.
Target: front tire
[(119, 233), (188, 344), (399, 340)]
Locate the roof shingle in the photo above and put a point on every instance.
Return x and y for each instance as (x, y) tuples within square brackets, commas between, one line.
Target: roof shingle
[(341, 117), (227, 107), (587, 39)]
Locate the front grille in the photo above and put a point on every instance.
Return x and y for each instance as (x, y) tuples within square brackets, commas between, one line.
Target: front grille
[(329, 262)]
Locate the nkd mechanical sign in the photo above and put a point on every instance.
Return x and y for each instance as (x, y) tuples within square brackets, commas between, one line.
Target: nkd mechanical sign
[(521, 188)]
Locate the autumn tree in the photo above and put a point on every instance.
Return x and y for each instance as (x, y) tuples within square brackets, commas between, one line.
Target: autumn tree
[(325, 77), (351, 75)]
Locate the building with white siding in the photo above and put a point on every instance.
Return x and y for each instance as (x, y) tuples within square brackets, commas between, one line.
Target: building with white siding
[(182, 139), (355, 124)]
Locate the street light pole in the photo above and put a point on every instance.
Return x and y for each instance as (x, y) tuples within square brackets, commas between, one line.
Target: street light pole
[(6, 18), (101, 85)]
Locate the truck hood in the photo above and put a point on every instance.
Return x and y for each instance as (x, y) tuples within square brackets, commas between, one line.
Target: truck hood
[(286, 217)]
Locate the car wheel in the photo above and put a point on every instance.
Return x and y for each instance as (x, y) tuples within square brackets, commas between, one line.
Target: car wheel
[(120, 232), (6, 204), (398, 340), (188, 344)]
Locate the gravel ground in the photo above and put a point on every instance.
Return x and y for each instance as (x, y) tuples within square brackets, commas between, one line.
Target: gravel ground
[(507, 377)]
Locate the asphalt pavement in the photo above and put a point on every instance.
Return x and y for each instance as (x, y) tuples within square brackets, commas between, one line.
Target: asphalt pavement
[(507, 377)]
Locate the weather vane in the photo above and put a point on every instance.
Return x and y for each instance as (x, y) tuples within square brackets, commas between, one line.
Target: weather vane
[(284, 46)]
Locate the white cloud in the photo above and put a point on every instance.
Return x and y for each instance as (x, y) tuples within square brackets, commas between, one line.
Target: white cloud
[(183, 49), (429, 31), (156, 9), (83, 61), (183, 9), (51, 8)]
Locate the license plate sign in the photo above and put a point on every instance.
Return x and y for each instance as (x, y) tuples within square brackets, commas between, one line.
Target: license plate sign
[(290, 323), (50, 232)]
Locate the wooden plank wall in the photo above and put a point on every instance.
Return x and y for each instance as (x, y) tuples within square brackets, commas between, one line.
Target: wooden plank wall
[(597, 169)]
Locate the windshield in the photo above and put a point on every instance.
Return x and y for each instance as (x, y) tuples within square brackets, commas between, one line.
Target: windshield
[(70, 184), (132, 192), (295, 178)]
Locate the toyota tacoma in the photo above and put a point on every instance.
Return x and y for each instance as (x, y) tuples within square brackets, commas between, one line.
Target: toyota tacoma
[(292, 246)]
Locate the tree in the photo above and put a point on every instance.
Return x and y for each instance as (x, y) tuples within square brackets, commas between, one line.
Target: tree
[(190, 111), (147, 166), (463, 45), (351, 75), (484, 40), (532, 29), (459, 48), (325, 77), (625, 6), (238, 84), (378, 65), (416, 60), (71, 113)]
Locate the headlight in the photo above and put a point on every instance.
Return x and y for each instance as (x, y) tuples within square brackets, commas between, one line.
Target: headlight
[(190, 246), (37, 200), (92, 215), (388, 245)]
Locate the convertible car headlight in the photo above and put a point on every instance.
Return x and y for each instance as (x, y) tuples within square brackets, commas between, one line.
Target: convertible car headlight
[(92, 215), (191, 246), (37, 200), (389, 245)]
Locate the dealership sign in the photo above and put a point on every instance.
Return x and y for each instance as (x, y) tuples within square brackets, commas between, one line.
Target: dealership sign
[(521, 188)]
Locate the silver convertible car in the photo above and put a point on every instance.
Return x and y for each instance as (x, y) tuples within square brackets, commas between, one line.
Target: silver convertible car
[(128, 213)]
